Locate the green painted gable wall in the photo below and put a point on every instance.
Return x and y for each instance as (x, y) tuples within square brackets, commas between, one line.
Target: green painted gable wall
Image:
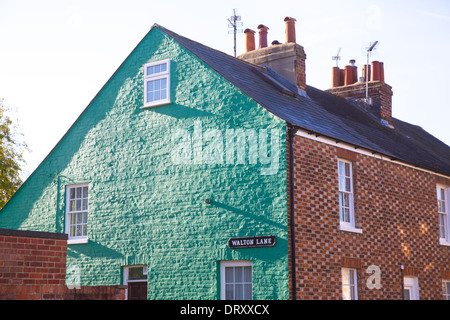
[(146, 209)]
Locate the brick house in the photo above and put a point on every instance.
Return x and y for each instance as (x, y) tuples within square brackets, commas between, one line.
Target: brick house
[(347, 201)]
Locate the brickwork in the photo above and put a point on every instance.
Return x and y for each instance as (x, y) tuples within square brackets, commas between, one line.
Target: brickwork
[(395, 206), (33, 267), (380, 92)]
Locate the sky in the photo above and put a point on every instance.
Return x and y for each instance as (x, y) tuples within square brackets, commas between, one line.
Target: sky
[(55, 55)]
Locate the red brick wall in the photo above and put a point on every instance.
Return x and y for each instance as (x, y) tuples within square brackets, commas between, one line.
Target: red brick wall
[(396, 208), (33, 266)]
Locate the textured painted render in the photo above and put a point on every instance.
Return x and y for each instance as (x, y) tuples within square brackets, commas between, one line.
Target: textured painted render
[(143, 209)]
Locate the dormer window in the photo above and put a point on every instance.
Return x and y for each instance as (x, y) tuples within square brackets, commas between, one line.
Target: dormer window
[(157, 83)]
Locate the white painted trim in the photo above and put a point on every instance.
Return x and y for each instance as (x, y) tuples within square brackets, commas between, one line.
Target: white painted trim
[(126, 270), (412, 284), (160, 75), (361, 150), (348, 228), (232, 263), (355, 281), (78, 240), (74, 240)]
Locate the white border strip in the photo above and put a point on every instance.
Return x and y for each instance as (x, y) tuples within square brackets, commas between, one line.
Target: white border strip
[(360, 150)]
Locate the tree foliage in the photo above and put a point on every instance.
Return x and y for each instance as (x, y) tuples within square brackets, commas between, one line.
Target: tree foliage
[(11, 156)]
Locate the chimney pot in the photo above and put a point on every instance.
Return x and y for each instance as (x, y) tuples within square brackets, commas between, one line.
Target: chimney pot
[(249, 40), (351, 73), (336, 75), (376, 71), (290, 29), (262, 36)]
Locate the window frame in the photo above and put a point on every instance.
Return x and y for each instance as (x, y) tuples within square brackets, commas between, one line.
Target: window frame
[(68, 215), (353, 287), (157, 76), (412, 285), (444, 214), (446, 289), (233, 264), (127, 280), (347, 225)]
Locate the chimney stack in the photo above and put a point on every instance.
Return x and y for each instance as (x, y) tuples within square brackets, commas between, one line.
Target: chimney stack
[(249, 40), (287, 59), (262, 36), (290, 29), (379, 92)]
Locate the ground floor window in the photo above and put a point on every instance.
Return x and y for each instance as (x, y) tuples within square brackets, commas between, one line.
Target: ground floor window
[(410, 288), (446, 289), (236, 280), (349, 284), (135, 277)]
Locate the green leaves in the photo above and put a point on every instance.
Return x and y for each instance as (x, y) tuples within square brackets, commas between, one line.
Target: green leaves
[(11, 157)]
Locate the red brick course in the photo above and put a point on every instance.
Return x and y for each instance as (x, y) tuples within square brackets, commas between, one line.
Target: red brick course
[(33, 267), (396, 208)]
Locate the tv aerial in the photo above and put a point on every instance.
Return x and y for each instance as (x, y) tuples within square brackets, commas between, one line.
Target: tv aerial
[(234, 22), (369, 51), (337, 57)]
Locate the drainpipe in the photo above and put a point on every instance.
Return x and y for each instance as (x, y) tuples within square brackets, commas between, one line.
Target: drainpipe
[(291, 133)]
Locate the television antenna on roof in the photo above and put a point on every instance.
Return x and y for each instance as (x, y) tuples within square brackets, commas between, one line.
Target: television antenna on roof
[(234, 22), (369, 51), (337, 57)]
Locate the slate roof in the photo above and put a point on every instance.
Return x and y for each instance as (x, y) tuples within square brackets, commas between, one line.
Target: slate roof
[(323, 113)]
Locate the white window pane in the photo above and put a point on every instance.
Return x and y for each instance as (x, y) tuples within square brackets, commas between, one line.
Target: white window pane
[(85, 192), (407, 294), (163, 94), (248, 274), (72, 193), (164, 83), (239, 292), (229, 292), (229, 275), (341, 168), (347, 169), (239, 274), (157, 95), (164, 67), (346, 293), (157, 84), (248, 292)]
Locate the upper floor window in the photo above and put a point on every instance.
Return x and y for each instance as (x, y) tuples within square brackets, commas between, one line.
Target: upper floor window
[(442, 213), (346, 210), (157, 83), (77, 213)]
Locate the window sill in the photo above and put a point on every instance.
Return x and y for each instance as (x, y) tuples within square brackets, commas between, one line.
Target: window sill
[(78, 241), (349, 229), (444, 242), (156, 104)]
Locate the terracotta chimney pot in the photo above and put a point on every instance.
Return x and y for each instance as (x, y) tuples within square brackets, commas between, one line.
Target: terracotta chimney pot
[(262, 36), (290, 29), (249, 40)]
